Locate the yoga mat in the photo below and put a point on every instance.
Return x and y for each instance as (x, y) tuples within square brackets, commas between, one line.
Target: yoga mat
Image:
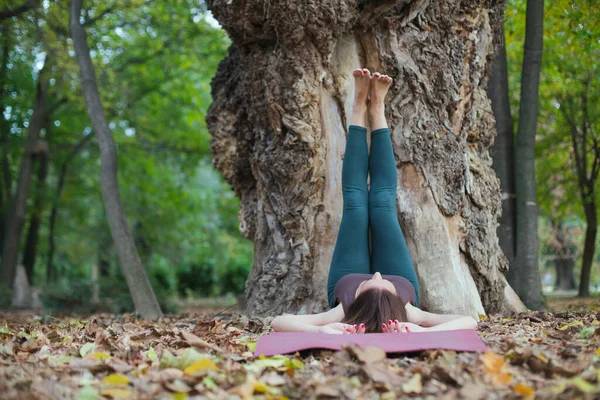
[(290, 342)]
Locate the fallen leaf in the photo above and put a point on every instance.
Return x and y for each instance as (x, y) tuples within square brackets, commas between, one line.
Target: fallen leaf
[(152, 354), (86, 348), (524, 390), (88, 393), (117, 393), (413, 385), (115, 380), (583, 385), (369, 354), (586, 333), (194, 340), (200, 365), (100, 356), (178, 386)]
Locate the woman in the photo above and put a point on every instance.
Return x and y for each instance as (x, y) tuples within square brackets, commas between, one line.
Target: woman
[(371, 291)]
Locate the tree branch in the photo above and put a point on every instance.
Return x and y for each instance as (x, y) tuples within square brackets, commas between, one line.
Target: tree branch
[(13, 12)]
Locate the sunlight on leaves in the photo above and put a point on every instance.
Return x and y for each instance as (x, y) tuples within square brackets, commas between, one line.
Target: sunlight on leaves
[(5, 329)]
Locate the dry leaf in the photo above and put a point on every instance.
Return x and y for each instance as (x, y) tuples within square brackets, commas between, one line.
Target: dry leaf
[(413, 385), (194, 340), (524, 390), (115, 380), (200, 365)]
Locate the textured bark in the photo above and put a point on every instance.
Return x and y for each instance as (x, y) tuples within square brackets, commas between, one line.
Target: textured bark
[(50, 273), (30, 251), (142, 294), (503, 153), (17, 210), (528, 285), (281, 105)]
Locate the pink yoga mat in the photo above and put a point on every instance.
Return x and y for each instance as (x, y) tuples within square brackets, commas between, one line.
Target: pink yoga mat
[(289, 342)]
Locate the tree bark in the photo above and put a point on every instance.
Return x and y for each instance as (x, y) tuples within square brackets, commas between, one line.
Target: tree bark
[(564, 253), (282, 99), (503, 154), (62, 175), (30, 251), (5, 176), (142, 294), (591, 219), (16, 217), (528, 284)]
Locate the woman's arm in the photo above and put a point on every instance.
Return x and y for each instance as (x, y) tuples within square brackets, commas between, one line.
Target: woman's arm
[(307, 323), (439, 322)]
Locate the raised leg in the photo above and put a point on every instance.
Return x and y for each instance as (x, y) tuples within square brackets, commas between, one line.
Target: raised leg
[(351, 254), (389, 254)]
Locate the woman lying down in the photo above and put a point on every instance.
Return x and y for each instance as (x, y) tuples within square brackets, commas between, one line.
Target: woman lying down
[(371, 290)]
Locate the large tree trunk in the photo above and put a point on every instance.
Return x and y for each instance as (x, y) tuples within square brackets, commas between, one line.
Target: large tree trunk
[(503, 153), (17, 209), (282, 100), (591, 219), (528, 284), (30, 251), (142, 294)]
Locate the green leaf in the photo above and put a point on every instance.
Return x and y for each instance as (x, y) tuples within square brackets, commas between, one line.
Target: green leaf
[(86, 348), (586, 333)]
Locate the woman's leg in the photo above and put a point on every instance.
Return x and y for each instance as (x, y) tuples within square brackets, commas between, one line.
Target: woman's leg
[(351, 254), (389, 254)]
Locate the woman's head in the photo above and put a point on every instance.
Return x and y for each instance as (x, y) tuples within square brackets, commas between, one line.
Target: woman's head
[(374, 307)]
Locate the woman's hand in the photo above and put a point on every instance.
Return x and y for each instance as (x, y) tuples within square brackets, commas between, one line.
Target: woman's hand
[(341, 328), (401, 327)]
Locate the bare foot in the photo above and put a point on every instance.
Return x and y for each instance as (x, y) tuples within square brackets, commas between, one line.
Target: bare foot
[(379, 88), (362, 82)]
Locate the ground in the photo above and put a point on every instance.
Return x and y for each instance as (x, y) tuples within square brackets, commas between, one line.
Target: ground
[(535, 354)]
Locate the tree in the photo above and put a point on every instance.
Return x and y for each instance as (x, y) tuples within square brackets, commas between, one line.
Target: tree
[(565, 250), (17, 210), (503, 153), (139, 285), (278, 121), (528, 284)]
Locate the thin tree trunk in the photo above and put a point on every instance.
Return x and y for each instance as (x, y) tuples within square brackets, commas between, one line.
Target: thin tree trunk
[(16, 218), (504, 155), (50, 273), (282, 99), (591, 220), (564, 253), (529, 285), (5, 176), (30, 251), (142, 294)]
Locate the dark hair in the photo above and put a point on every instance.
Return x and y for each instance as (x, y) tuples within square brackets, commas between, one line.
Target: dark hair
[(374, 307)]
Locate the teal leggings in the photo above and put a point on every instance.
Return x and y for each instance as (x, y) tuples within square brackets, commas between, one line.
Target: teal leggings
[(376, 207)]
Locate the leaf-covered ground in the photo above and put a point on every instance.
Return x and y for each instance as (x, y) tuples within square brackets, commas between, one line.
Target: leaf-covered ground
[(534, 354)]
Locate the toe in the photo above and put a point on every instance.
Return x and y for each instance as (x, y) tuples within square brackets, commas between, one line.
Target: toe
[(376, 75), (366, 72)]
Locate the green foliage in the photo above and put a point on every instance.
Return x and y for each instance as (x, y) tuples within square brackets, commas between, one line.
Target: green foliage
[(154, 62)]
